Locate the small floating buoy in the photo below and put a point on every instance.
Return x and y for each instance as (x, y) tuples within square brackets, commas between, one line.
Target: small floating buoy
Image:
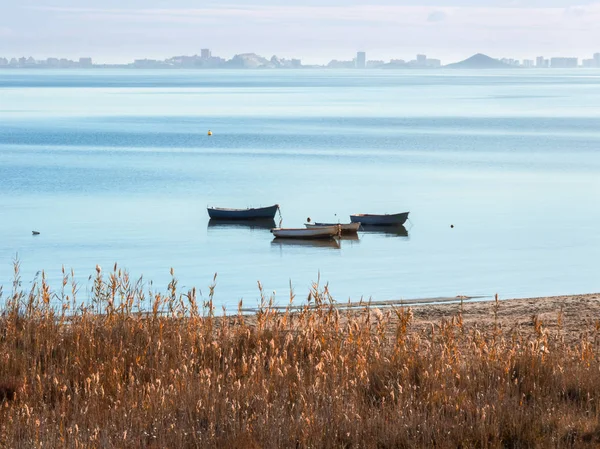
[(209, 132), (452, 226), (35, 232)]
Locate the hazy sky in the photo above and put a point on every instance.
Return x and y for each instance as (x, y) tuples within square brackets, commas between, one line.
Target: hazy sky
[(314, 30)]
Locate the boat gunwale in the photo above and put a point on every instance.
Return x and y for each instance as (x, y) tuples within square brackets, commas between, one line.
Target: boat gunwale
[(228, 209), (379, 215), (304, 229)]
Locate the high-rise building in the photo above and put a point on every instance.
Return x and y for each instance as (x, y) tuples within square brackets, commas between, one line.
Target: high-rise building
[(85, 62), (205, 53), (361, 60), (528, 63), (540, 62), (597, 60), (563, 63), (421, 60), (433, 63), (588, 63)]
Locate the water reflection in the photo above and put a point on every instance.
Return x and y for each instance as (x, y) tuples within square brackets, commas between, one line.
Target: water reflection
[(268, 223), (314, 243), (391, 231), (351, 238)]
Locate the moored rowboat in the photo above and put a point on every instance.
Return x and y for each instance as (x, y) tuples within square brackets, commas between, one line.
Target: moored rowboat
[(347, 228), (322, 232), (243, 214), (380, 220)]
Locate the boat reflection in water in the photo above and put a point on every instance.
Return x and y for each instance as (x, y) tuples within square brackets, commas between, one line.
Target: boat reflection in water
[(391, 231), (350, 238), (266, 223), (300, 243)]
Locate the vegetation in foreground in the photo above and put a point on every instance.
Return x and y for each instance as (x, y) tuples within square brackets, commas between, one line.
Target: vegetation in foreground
[(178, 376)]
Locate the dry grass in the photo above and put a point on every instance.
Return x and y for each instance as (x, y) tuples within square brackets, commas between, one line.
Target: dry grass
[(107, 375)]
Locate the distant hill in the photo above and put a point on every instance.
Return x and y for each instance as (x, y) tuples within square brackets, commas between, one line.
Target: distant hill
[(479, 61), (246, 61)]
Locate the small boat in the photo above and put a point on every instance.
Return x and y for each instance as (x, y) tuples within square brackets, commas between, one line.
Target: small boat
[(347, 228), (323, 232), (243, 214), (380, 220)]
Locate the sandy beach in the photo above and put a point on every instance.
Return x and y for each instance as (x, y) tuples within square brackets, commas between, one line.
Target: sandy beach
[(577, 313)]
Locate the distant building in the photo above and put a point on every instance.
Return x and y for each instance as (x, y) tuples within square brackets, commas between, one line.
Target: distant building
[(511, 61), (296, 63), (205, 53), (541, 62), (3, 62), (597, 59), (588, 63), (361, 60), (66, 63), (421, 60), (563, 63), (149, 64), (397, 64), (528, 63), (433, 63), (335, 64), (375, 64), (85, 62), (52, 62)]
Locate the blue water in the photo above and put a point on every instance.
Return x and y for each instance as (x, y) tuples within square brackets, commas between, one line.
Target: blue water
[(116, 166)]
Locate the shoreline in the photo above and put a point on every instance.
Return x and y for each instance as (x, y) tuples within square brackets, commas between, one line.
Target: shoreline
[(572, 315)]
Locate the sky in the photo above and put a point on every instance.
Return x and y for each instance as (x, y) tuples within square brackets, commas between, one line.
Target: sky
[(314, 30)]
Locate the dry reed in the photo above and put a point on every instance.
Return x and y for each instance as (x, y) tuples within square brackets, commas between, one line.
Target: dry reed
[(137, 369)]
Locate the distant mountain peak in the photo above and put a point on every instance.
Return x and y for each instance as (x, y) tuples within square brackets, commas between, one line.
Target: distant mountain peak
[(479, 61)]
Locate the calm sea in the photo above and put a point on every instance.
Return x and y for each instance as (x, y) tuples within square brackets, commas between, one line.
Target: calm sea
[(116, 166)]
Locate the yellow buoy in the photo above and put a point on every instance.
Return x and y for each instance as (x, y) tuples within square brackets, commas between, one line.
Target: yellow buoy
[(209, 132)]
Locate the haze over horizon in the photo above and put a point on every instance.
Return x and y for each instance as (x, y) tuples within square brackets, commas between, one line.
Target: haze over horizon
[(451, 30)]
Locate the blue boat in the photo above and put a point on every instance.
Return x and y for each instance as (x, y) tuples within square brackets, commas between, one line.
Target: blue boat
[(243, 214), (380, 220)]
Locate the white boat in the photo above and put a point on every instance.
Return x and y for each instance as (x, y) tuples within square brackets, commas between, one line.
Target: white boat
[(347, 228), (322, 232)]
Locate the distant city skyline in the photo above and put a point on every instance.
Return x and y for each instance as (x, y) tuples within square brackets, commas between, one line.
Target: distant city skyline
[(318, 31), (207, 60)]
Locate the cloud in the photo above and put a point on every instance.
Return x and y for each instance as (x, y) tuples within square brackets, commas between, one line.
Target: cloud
[(437, 16)]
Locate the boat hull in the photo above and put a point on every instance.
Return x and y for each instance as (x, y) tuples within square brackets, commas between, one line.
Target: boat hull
[(380, 220), (323, 232), (347, 228), (243, 214)]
